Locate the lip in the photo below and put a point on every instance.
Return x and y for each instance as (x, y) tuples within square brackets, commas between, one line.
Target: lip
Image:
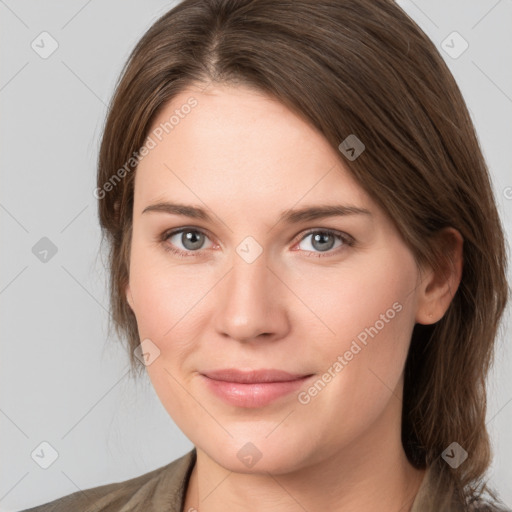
[(252, 388)]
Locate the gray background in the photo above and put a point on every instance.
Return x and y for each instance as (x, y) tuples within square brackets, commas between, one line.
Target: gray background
[(62, 380)]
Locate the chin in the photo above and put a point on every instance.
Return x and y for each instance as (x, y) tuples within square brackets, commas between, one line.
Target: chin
[(259, 455)]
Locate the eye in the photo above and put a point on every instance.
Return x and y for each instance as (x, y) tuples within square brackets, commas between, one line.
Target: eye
[(184, 240), (324, 240), (190, 242)]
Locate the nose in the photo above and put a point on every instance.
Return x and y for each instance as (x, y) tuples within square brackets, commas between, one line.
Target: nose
[(250, 303)]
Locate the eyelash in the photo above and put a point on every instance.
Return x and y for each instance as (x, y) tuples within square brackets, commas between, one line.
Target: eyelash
[(347, 240)]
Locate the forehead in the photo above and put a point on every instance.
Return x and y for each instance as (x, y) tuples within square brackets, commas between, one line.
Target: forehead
[(240, 143)]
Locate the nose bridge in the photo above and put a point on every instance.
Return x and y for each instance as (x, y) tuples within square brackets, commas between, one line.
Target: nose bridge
[(249, 304)]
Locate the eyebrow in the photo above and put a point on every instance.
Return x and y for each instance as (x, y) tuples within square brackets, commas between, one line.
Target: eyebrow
[(290, 216)]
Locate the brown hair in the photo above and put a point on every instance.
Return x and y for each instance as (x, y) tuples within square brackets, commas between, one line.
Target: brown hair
[(358, 67)]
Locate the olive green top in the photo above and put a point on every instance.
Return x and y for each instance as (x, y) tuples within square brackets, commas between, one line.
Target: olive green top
[(164, 490)]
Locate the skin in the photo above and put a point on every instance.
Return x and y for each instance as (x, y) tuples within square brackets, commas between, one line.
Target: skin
[(245, 158)]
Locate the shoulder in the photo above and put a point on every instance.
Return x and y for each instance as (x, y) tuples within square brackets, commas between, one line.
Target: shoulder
[(438, 494), (160, 489)]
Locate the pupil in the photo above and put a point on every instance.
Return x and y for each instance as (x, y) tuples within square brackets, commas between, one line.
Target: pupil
[(192, 240)]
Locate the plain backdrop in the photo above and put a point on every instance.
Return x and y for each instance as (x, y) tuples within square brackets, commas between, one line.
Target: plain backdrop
[(63, 381)]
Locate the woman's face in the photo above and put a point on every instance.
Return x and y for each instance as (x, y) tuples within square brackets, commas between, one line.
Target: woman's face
[(262, 281)]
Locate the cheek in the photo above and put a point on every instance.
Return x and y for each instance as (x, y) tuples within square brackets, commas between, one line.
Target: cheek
[(372, 315), (164, 297), (370, 298), (154, 302), (164, 294), (369, 312)]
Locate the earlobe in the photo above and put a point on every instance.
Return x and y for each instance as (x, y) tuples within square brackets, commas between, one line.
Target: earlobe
[(438, 287), (129, 296)]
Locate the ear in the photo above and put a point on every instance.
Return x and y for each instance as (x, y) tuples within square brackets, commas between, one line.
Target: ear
[(438, 287)]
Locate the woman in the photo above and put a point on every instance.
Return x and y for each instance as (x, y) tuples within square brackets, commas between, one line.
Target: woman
[(243, 136)]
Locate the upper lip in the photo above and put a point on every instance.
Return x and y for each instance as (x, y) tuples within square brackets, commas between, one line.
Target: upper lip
[(253, 376)]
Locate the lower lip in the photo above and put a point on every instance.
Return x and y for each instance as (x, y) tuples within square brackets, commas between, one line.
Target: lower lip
[(253, 395)]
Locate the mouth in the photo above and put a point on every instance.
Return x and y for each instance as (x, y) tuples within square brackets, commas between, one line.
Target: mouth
[(252, 388)]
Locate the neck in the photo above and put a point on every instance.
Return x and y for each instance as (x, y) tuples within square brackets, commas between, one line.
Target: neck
[(371, 474)]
